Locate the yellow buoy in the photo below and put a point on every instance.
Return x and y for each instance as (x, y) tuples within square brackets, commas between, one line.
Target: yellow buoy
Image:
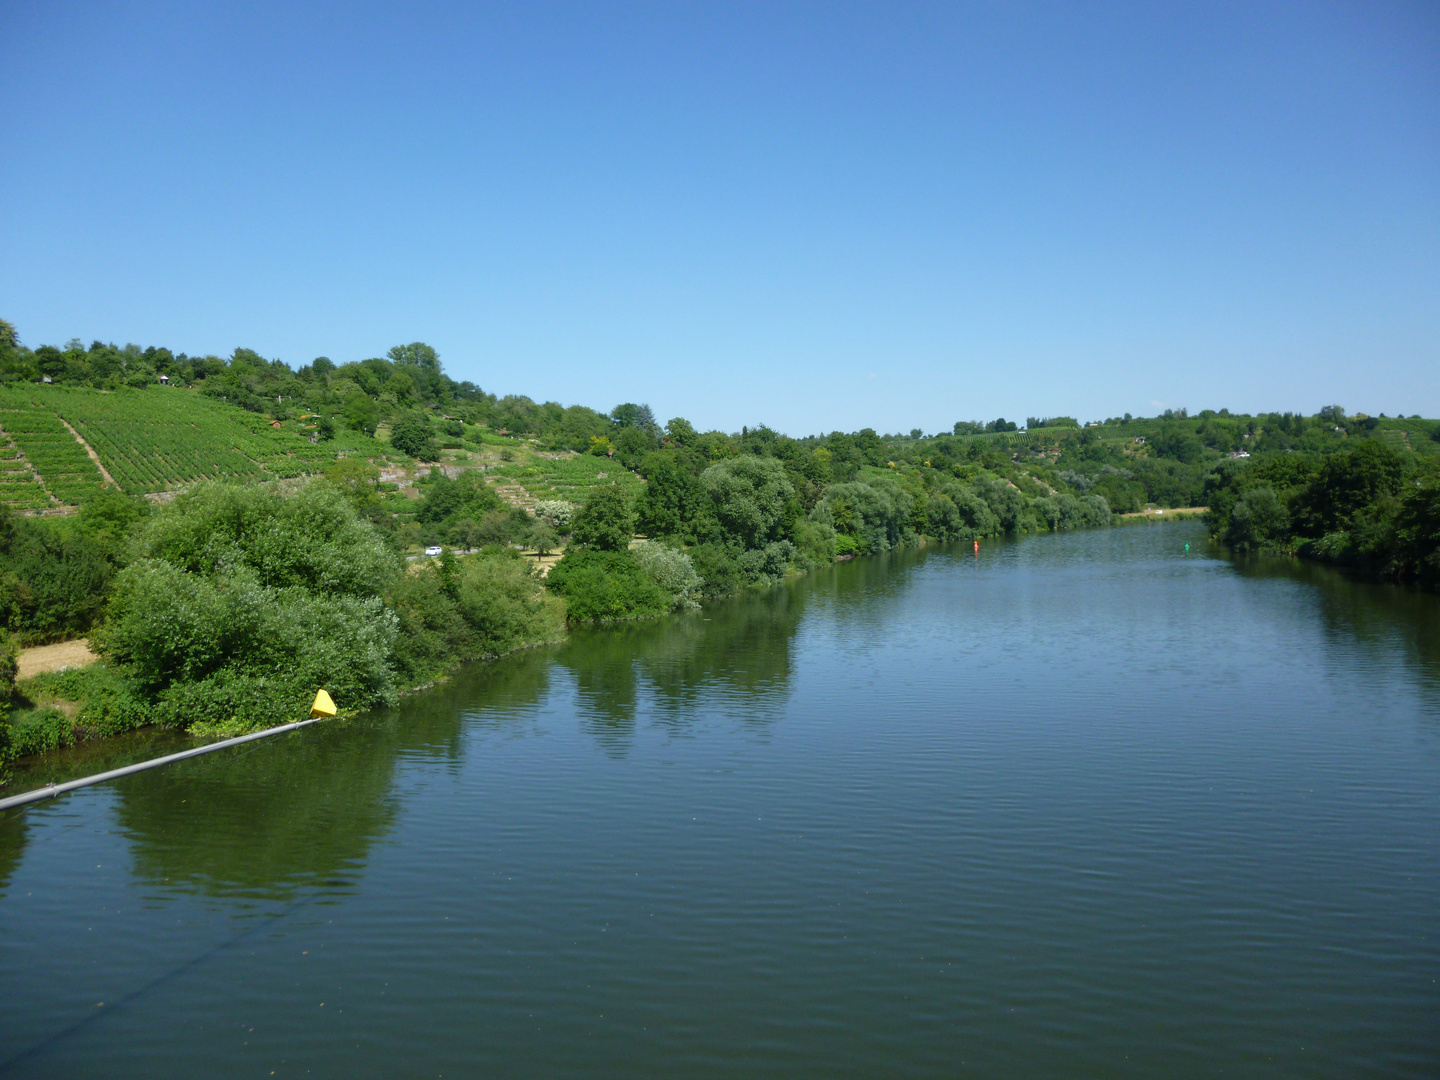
[(323, 705)]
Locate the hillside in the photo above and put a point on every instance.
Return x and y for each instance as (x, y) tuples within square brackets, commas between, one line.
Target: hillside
[(157, 439)]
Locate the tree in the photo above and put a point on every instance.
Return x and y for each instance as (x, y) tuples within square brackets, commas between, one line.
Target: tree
[(636, 416), (672, 499), (606, 521), (681, 433), (8, 338), (410, 434), (416, 354), (543, 537), (1258, 521), (361, 414), (357, 479), (322, 365), (750, 495), (1345, 484)]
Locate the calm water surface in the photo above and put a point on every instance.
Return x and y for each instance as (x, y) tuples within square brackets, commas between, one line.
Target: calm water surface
[(1088, 805)]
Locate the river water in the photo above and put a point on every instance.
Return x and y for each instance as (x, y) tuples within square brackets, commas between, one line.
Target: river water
[(1086, 805)]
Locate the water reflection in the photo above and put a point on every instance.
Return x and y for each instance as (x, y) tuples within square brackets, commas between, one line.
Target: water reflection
[(12, 844), (274, 819), (265, 821), (738, 651), (1383, 619)]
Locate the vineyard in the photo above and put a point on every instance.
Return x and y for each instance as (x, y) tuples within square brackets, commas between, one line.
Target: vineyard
[(148, 440), (568, 477)]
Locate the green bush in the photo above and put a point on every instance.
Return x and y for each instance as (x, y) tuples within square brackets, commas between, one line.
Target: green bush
[(606, 522), (244, 602), (1259, 521), (462, 609), (718, 570), (672, 570), (109, 704), (313, 539), (41, 732), (603, 586)]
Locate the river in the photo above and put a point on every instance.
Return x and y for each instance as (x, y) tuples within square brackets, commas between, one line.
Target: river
[(1084, 805)]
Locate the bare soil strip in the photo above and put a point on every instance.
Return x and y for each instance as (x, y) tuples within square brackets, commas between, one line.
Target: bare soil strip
[(59, 657)]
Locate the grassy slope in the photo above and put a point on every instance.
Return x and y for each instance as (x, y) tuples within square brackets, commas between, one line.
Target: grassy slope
[(158, 439)]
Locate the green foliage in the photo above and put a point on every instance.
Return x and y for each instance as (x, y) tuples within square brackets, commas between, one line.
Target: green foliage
[(416, 354), (873, 515), (673, 499), (718, 569), (606, 521), (225, 648), (672, 570), (480, 606), (361, 414), (467, 495), (1064, 511), (602, 585), (751, 496), (680, 432), (243, 602), (52, 581), (104, 704), (410, 433), (312, 540), (557, 513), (1345, 485), (1259, 521)]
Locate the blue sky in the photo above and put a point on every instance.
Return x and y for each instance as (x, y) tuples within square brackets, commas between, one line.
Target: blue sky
[(813, 216)]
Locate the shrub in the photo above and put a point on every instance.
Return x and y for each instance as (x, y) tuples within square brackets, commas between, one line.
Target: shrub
[(243, 602), (767, 564), (313, 540), (602, 586), (476, 607), (718, 570), (672, 570), (557, 513)]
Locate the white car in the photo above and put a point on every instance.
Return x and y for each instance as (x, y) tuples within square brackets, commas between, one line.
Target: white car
[(434, 549)]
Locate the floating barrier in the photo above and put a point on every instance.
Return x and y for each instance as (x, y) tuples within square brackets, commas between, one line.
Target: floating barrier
[(318, 712)]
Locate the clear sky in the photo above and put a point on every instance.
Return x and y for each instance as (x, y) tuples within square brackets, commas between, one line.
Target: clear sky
[(815, 216)]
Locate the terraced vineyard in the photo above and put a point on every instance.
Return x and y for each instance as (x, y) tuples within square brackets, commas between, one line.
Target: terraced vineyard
[(52, 451), (148, 440), (19, 488), (567, 477)]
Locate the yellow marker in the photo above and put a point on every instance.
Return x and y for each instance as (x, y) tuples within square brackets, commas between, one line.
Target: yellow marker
[(323, 705)]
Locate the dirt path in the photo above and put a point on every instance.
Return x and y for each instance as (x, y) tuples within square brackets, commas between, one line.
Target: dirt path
[(67, 654), (91, 451), (1190, 511)]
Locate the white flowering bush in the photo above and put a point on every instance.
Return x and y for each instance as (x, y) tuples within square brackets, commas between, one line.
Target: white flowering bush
[(672, 570), (557, 513)]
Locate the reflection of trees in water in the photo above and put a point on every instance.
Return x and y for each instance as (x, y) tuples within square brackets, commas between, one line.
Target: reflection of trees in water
[(1381, 618), (266, 821), (271, 820), (12, 843), (737, 652)]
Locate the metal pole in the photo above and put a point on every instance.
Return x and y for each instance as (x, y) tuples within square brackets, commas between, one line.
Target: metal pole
[(52, 790)]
